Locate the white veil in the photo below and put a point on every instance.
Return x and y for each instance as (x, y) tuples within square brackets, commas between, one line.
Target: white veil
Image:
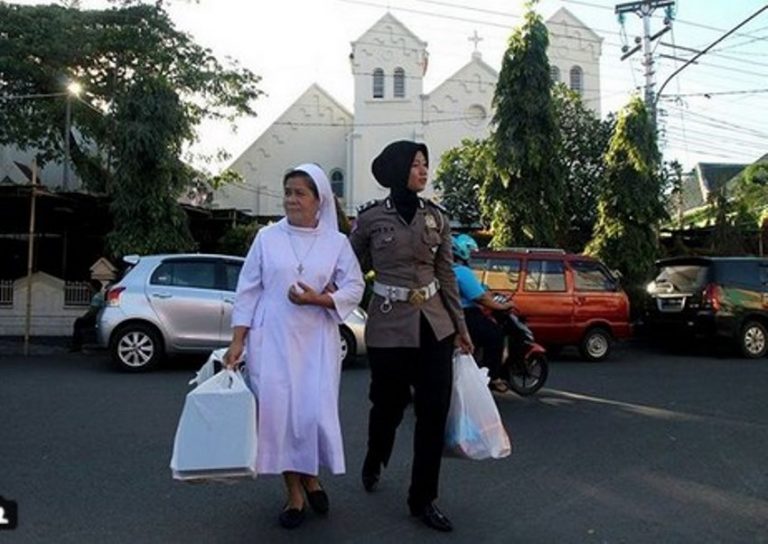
[(327, 214)]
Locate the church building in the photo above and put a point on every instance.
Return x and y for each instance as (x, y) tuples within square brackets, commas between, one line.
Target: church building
[(388, 64)]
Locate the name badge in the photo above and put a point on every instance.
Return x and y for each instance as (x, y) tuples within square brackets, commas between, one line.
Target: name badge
[(430, 221)]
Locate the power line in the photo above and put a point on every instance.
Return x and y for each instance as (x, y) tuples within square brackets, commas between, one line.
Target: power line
[(710, 46), (716, 93)]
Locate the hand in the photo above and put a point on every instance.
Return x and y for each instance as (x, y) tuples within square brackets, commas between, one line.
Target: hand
[(464, 343), (330, 289), (306, 296), (234, 354)]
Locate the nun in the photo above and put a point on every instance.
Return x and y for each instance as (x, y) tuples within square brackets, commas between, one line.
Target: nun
[(299, 281)]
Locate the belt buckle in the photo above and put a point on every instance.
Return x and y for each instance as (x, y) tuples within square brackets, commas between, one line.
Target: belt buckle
[(416, 297)]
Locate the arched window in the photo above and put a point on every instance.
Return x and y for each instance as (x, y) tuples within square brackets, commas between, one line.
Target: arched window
[(337, 182), (378, 83), (577, 79), (554, 73), (399, 83)]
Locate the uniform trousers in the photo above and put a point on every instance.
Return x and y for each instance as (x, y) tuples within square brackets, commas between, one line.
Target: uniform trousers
[(428, 369), (486, 334)]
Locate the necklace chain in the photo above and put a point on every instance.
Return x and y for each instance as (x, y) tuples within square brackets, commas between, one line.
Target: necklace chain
[(300, 266)]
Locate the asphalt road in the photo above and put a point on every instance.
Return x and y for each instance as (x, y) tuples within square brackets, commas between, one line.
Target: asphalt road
[(647, 447)]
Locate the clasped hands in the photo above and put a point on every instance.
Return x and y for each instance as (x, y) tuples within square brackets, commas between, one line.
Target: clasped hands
[(307, 295)]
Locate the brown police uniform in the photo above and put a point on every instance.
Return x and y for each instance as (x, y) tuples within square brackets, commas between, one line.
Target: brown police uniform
[(412, 321), (407, 256)]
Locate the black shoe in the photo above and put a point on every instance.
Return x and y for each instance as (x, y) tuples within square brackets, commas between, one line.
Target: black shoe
[(432, 517), (317, 499), (371, 473), (290, 518)]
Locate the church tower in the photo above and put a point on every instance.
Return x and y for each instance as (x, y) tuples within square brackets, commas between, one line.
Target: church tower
[(388, 65)]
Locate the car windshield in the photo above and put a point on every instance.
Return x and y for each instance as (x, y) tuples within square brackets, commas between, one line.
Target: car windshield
[(680, 279)]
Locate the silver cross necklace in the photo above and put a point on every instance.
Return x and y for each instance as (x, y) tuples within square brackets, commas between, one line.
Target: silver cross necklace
[(300, 265)]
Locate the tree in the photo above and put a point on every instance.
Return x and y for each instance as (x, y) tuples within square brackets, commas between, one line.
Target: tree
[(460, 175), (523, 197), (630, 205), (127, 59), (583, 143)]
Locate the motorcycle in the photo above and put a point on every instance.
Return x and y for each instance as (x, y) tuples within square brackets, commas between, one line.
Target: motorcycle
[(526, 361)]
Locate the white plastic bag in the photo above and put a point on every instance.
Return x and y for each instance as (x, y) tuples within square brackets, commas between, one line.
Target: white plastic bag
[(216, 435), (474, 429), (214, 363)]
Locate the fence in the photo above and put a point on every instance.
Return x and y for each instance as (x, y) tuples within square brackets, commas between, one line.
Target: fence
[(6, 292), (77, 293)]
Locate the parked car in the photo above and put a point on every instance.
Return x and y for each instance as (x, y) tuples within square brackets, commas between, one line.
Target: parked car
[(712, 297), (565, 298), (168, 304)]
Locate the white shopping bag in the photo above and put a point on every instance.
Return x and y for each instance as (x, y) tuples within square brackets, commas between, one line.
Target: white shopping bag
[(214, 363), (216, 436), (473, 429)]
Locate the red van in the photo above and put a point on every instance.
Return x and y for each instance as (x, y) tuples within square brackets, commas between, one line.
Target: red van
[(565, 298)]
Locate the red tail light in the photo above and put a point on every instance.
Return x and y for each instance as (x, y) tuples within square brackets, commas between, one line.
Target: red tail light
[(713, 295), (113, 296)]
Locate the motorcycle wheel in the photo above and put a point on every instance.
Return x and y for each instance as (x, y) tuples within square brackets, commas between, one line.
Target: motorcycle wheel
[(528, 376)]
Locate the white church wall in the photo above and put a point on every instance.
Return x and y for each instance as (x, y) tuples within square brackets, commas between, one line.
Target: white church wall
[(572, 44), (460, 107), (388, 45), (313, 129)]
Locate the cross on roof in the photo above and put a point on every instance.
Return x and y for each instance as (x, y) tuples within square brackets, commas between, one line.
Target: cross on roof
[(475, 38)]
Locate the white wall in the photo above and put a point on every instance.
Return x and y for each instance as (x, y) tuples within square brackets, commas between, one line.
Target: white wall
[(50, 317)]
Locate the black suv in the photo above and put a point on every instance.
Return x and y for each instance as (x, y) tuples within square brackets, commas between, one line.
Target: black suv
[(713, 297)]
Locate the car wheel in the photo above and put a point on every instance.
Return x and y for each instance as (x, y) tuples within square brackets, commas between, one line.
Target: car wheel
[(753, 340), (595, 345), (348, 347), (136, 348)]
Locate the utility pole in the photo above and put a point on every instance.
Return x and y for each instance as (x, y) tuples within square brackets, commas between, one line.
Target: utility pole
[(644, 9), (30, 258)]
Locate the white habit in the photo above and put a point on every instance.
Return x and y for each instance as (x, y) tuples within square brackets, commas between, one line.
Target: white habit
[(294, 352)]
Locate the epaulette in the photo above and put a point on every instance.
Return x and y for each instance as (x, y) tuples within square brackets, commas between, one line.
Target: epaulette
[(435, 205), (367, 206)]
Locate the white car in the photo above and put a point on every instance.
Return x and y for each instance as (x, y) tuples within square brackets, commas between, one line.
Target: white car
[(183, 304)]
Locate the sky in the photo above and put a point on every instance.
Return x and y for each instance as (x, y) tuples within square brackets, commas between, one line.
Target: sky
[(716, 110)]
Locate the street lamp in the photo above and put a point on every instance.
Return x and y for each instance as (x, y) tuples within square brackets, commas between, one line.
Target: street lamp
[(73, 91)]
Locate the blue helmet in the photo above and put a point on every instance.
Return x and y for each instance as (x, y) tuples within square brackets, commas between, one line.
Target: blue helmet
[(463, 245)]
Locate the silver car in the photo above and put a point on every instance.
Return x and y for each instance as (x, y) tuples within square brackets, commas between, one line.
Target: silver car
[(183, 304)]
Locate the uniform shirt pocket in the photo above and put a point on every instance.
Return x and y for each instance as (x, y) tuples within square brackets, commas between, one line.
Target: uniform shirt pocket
[(383, 241), (431, 238)]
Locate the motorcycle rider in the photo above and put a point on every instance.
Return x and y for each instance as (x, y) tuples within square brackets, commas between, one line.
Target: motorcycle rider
[(483, 330)]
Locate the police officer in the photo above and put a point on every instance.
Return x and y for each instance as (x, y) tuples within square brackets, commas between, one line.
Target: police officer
[(414, 321)]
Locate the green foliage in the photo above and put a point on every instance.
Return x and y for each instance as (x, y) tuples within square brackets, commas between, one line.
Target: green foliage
[(460, 175), (583, 143), (127, 59), (237, 240), (750, 194), (150, 175), (523, 198), (630, 205)]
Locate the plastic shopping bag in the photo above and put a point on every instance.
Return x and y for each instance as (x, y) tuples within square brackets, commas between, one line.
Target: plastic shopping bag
[(216, 435), (474, 429), (214, 364)]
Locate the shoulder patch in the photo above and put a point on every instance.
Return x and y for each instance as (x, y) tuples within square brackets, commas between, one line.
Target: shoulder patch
[(367, 206), (435, 205)]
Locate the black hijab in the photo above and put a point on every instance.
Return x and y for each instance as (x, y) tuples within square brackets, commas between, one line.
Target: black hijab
[(392, 168)]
